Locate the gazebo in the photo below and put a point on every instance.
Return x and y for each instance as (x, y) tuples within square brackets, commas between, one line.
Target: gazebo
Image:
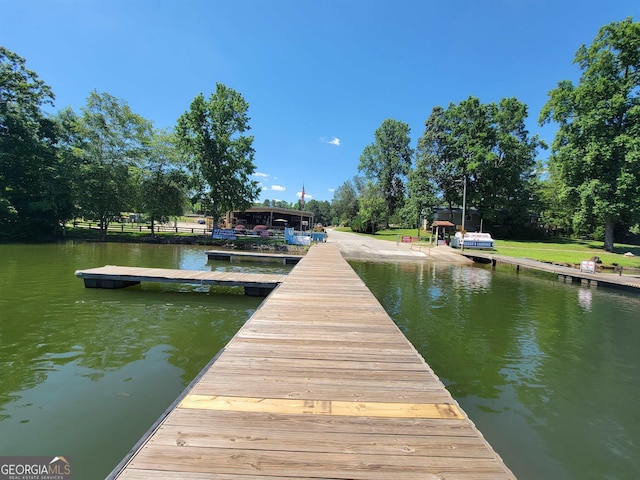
[(437, 226)]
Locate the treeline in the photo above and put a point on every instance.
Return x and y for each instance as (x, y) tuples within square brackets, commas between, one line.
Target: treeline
[(106, 159), (590, 185)]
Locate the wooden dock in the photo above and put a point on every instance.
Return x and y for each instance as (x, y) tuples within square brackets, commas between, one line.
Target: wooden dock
[(113, 276), (285, 259), (566, 274), (318, 384)]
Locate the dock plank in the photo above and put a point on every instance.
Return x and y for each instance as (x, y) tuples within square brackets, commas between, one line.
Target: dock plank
[(161, 458), (115, 276), (319, 383)]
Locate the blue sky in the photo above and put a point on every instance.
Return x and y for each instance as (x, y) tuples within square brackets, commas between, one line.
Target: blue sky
[(320, 76)]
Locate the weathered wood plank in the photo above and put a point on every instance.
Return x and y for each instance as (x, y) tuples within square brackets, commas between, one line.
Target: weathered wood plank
[(344, 442), (322, 464), (319, 365), (318, 425), (321, 407), (313, 391)]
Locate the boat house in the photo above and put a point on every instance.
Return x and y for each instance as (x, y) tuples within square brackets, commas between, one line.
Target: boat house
[(274, 218)]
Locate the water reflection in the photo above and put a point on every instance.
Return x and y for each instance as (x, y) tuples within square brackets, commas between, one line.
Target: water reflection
[(87, 371), (471, 279), (547, 370), (585, 298)]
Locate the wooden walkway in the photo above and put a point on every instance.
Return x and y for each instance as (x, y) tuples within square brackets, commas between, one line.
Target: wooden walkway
[(318, 384), (285, 259), (113, 276), (568, 274)]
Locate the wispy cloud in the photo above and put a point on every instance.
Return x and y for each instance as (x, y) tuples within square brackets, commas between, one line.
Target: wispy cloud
[(331, 190), (262, 175), (278, 188), (332, 141), (306, 195)]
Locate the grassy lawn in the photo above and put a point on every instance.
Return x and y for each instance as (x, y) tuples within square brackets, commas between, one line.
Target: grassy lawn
[(559, 250), (569, 251)]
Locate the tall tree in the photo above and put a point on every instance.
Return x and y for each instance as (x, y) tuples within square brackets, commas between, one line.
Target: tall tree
[(110, 140), (212, 134), (421, 196), (503, 177), (372, 210), (34, 180), (488, 147), (344, 206), (438, 157), (387, 162), (596, 151), (163, 180)]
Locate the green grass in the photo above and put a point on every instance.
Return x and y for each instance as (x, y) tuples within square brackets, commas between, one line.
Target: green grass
[(569, 251), (559, 250)]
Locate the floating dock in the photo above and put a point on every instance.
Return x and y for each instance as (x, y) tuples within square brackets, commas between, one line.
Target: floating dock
[(318, 384), (566, 274), (113, 276), (285, 259)]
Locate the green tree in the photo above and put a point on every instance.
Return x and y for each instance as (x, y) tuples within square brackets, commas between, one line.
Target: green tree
[(344, 205), (110, 141), (163, 180), (596, 151), (503, 178), (372, 209), (321, 211), (488, 147), (211, 134), (556, 211), (35, 189), (437, 156), (387, 162), (421, 195)]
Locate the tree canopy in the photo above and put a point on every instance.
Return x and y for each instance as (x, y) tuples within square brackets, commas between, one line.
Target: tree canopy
[(105, 159), (212, 135), (163, 182), (596, 151), (110, 141), (487, 146), (34, 181), (387, 162)]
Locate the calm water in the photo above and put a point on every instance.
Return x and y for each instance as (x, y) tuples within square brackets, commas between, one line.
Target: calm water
[(549, 372), (85, 372)]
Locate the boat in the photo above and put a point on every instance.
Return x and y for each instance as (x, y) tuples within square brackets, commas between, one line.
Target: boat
[(472, 240)]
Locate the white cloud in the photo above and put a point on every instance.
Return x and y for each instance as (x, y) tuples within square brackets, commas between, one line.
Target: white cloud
[(331, 190), (260, 174), (333, 141), (278, 188), (306, 196)]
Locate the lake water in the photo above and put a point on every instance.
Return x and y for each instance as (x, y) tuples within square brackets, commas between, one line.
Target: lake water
[(548, 371), (85, 372)]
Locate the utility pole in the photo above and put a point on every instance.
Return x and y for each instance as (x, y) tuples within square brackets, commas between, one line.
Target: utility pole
[(464, 210)]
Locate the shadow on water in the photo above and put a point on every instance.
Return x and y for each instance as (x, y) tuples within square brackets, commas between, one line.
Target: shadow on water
[(548, 371)]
